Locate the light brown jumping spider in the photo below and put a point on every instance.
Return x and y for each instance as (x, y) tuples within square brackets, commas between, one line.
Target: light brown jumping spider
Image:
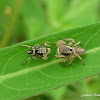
[(65, 51), (37, 50)]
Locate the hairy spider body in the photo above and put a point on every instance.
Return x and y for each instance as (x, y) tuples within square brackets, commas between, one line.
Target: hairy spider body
[(65, 51), (37, 50), (79, 50)]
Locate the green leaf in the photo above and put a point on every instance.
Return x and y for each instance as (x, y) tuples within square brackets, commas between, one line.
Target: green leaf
[(38, 76)]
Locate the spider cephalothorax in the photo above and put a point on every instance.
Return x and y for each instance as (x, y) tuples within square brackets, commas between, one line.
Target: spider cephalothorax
[(37, 50), (65, 50)]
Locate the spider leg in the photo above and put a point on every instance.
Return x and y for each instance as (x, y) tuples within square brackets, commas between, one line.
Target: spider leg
[(71, 60), (28, 59), (36, 56), (76, 44), (64, 60), (49, 51), (59, 56), (60, 42), (26, 46), (80, 58), (70, 43), (46, 44), (45, 55), (37, 45)]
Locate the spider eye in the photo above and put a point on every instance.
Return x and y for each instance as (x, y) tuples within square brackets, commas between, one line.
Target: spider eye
[(70, 49)]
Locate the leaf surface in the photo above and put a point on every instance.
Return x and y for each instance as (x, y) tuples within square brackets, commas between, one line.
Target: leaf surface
[(38, 76)]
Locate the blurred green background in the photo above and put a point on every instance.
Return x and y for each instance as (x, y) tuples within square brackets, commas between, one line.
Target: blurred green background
[(22, 20)]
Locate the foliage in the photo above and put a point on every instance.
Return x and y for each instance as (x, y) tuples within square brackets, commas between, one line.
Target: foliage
[(36, 77)]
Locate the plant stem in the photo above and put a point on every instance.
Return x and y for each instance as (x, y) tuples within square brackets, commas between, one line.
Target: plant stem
[(8, 31)]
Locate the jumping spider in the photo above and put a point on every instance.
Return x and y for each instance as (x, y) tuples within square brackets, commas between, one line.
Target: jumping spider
[(37, 50), (65, 51)]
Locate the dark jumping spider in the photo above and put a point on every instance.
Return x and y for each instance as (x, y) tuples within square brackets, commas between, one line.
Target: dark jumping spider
[(37, 50), (65, 51)]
